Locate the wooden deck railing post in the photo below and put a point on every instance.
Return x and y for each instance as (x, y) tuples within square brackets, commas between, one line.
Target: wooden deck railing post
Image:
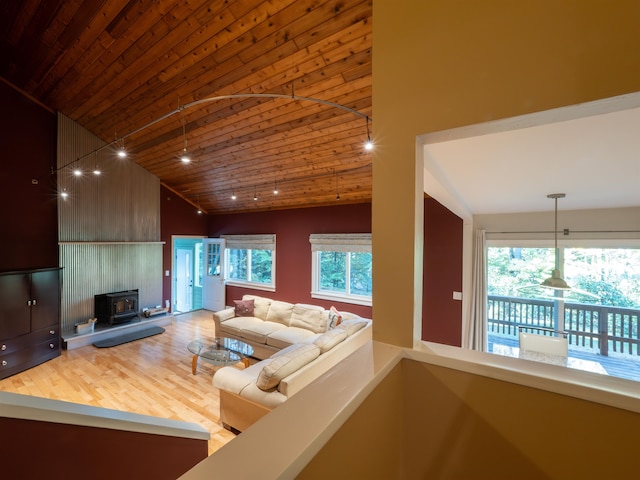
[(603, 330)]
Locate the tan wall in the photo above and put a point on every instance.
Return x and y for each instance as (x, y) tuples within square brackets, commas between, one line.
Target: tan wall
[(440, 64), (369, 445), (425, 421)]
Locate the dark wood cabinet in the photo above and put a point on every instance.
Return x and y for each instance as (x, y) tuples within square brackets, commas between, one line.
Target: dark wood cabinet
[(29, 319)]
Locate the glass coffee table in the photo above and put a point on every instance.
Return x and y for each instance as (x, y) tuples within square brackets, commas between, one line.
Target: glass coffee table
[(221, 352)]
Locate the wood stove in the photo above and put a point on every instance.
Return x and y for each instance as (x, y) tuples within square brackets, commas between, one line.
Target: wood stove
[(116, 307)]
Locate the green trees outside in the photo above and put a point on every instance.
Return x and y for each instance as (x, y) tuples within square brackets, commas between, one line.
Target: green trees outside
[(604, 276), (333, 272), (250, 265)]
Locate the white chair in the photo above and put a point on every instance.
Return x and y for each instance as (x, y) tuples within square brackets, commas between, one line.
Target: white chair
[(533, 342)]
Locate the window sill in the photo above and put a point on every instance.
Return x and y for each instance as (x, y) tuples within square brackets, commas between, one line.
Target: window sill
[(341, 298), (253, 286)]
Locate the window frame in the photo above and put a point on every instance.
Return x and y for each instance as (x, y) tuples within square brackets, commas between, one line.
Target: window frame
[(344, 243), (250, 243)]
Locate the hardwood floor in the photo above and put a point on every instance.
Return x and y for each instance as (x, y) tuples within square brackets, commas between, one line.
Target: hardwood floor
[(151, 376)]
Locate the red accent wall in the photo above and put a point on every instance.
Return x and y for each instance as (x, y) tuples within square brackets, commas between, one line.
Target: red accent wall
[(29, 218), (293, 258), (442, 275), (177, 217), (54, 450)]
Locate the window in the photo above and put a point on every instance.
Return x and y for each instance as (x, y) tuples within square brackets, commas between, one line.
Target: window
[(341, 267), (251, 261), (600, 315)]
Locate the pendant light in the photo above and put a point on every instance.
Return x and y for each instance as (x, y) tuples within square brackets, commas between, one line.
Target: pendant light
[(555, 281)]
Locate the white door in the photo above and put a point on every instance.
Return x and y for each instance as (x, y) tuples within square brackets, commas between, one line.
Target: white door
[(184, 280), (213, 290)]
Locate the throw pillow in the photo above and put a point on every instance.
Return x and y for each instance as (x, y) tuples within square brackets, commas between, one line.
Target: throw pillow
[(334, 317), (244, 308)]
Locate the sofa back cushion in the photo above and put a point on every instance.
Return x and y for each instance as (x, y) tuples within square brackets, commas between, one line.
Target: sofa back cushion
[(280, 312), (260, 305), (330, 339), (352, 325), (310, 317), (286, 363)]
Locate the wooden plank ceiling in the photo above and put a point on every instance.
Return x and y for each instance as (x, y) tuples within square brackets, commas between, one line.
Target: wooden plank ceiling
[(117, 66)]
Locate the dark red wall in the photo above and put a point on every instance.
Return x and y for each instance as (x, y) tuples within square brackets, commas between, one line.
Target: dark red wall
[(442, 275), (177, 217), (293, 257), (51, 450), (29, 218)]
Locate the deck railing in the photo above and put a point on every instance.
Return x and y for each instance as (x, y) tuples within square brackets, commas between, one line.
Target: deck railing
[(595, 327)]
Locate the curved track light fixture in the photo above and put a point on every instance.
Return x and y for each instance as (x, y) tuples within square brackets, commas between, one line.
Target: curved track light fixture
[(180, 109)]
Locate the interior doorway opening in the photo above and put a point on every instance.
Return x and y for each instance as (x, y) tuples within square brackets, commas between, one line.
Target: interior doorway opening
[(186, 285)]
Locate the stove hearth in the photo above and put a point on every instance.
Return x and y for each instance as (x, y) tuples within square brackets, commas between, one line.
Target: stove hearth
[(116, 308)]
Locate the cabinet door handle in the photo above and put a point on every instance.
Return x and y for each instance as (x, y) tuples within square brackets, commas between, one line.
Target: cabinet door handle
[(4, 347), (51, 345), (52, 332), (34, 302), (29, 303), (4, 363)]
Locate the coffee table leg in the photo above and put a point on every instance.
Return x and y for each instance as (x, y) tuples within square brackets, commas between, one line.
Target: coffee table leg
[(194, 364)]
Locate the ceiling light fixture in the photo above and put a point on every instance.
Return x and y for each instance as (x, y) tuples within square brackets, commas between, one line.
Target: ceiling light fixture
[(96, 170), (199, 211), (255, 195), (337, 189), (122, 152), (555, 281), (185, 155), (233, 196), (368, 144), (275, 188)]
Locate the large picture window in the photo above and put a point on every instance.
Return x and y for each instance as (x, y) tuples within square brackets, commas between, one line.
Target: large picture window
[(599, 315), (341, 267), (251, 261)]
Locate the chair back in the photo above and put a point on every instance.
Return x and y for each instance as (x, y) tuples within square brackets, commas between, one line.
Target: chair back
[(533, 342)]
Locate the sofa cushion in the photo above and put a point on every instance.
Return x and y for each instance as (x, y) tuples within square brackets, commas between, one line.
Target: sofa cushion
[(244, 308), (350, 316), (259, 332), (310, 317), (352, 325), (236, 325), (284, 365), (328, 340), (280, 312), (260, 305), (288, 336)]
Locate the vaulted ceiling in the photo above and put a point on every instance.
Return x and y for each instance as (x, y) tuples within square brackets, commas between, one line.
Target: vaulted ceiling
[(142, 71)]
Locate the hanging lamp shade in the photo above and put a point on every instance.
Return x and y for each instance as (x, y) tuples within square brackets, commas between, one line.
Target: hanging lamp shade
[(555, 281)]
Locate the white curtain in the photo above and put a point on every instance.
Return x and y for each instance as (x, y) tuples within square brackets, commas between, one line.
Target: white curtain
[(476, 329)]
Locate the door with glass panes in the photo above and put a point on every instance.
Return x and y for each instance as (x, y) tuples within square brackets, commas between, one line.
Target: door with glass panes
[(213, 288)]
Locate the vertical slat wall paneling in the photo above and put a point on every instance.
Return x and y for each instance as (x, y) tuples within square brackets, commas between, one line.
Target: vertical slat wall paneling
[(109, 225), (94, 268)]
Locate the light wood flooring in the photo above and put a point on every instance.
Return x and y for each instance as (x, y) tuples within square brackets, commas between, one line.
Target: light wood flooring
[(151, 376)]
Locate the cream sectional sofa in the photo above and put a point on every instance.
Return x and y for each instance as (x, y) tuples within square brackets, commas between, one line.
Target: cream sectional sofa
[(272, 325), (298, 355)]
